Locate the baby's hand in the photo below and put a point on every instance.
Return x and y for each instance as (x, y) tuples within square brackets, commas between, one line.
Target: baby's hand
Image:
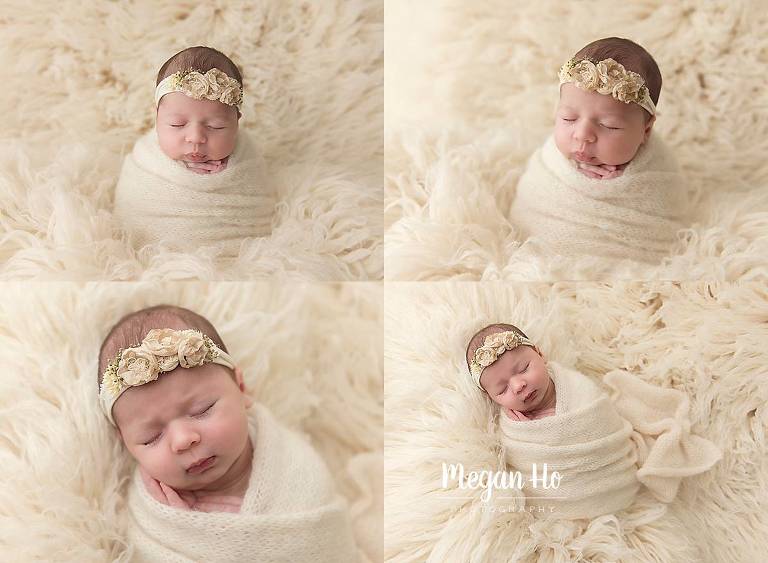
[(515, 415), (600, 172), (165, 494), (207, 167), (185, 500)]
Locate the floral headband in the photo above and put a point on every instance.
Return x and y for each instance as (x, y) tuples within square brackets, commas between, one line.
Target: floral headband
[(213, 85), (162, 350), (608, 77), (494, 346)]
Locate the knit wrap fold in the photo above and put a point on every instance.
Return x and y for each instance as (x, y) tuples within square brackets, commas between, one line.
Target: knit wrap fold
[(634, 216), (290, 511), (605, 450), (159, 199)]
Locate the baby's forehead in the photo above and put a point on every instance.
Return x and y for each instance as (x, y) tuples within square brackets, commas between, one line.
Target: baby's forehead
[(171, 393), (573, 97), (177, 103)]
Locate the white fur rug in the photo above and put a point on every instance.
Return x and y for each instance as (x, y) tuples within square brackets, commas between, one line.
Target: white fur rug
[(469, 100), (707, 340), (310, 353), (78, 93)]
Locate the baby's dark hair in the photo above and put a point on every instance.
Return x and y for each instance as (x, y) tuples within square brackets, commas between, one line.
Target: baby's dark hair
[(133, 327), (479, 337), (631, 56), (199, 58)]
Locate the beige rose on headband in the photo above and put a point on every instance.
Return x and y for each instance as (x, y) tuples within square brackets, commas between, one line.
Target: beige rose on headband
[(628, 90), (168, 363), (192, 350), (609, 71), (217, 81), (586, 75), (137, 366), (194, 85), (493, 340), (511, 340), (485, 356), (162, 341), (230, 95)]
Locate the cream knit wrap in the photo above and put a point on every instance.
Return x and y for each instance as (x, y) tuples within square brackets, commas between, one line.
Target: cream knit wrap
[(634, 216), (605, 447), (289, 513), (158, 199)]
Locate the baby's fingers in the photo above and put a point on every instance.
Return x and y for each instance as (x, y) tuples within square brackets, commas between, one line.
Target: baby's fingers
[(173, 497), (515, 415), (153, 486)]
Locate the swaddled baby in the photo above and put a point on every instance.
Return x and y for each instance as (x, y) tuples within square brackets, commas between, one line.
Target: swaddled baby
[(217, 478), (197, 178), (603, 184), (603, 446)]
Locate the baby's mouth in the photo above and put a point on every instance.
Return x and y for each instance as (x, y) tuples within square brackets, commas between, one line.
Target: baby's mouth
[(195, 157), (530, 396), (201, 465)]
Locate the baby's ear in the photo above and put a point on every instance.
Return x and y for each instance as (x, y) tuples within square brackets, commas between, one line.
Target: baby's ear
[(648, 127), (241, 384)]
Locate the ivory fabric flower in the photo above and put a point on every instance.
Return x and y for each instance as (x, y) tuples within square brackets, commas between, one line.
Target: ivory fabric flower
[(485, 356), (137, 366), (628, 90), (168, 363), (609, 71), (217, 82), (194, 85), (230, 95), (192, 349), (162, 341), (586, 75), (494, 341), (511, 340)]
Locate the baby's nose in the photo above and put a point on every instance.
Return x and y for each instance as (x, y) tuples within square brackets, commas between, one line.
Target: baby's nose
[(196, 135), (184, 438), (583, 132)]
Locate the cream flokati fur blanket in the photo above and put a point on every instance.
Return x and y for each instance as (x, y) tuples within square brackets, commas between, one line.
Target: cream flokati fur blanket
[(633, 216), (158, 199), (605, 447), (289, 513)]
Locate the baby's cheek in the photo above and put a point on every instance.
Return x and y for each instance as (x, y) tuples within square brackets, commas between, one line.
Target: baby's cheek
[(561, 142), (168, 145)]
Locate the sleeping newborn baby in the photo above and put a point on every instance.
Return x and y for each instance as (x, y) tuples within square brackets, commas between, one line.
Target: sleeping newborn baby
[(197, 179), (604, 445), (603, 184), (217, 478)]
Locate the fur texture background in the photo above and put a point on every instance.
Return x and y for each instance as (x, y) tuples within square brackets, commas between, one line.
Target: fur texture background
[(310, 353), (79, 91), (707, 340), (489, 72)]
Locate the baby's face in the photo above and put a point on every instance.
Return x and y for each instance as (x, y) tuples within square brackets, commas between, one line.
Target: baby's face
[(195, 130), (518, 380), (598, 129), (187, 415)]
